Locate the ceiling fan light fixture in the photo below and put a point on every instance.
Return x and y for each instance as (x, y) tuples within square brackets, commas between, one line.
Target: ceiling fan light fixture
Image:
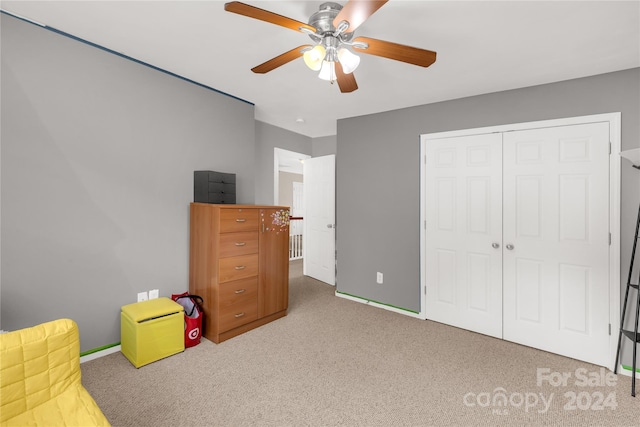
[(314, 57), (349, 60), (328, 71)]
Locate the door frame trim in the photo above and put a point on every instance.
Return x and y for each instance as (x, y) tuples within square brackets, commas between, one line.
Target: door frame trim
[(614, 204)]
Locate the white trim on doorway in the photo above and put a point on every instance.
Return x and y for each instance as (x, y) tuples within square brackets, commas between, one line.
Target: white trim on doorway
[(614, 204)]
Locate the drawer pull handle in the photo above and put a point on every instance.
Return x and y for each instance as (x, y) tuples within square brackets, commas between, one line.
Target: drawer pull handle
[(240, 291), (240, 243), (241, 220), (239, 315), (241, 267)]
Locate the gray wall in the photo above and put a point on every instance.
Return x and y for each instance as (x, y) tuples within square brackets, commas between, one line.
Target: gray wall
[(378, 174), (324, 146), (269, 137), (98, 154)]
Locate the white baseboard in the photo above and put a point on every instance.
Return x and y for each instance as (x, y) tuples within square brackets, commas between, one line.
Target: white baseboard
[(100, 353), (378, 305), (626, 372)]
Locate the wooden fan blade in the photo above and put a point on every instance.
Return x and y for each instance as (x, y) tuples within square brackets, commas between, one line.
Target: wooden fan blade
[(265, 15), (280, 60), (398, 52), (355, 12), (347, 82)]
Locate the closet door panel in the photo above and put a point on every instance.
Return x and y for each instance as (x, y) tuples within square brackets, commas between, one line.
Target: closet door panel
[(463, 220), (556, 193)]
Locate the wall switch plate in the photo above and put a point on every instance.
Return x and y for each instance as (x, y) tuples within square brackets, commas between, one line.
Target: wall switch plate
[(142, 296), (154, 293), (379, 278)]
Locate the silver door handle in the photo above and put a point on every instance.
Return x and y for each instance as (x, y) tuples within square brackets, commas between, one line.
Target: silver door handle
[(510, 246), (330, 225), (495, 245)]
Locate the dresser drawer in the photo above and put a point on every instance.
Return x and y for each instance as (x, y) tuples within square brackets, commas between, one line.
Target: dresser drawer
[(239, 219), (234, 244), (238, 303), (237, 267)]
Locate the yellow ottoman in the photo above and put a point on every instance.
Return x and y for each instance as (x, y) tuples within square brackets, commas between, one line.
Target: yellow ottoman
[(151, 330)]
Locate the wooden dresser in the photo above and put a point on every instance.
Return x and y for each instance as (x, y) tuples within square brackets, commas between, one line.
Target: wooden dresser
[(239, 265)]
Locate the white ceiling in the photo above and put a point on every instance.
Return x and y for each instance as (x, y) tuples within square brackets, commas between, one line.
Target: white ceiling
[(482, 46)]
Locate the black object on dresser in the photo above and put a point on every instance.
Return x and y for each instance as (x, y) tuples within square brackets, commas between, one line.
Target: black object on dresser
[(214, 187)]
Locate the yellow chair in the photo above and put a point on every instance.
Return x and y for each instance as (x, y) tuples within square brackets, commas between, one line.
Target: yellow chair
[(40, 378), (151, 330)]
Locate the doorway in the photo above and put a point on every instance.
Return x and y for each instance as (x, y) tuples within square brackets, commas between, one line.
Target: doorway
[(288, 190), (315, 228)]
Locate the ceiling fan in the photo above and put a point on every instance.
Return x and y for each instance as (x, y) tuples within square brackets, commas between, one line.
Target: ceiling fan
[(331, 30)]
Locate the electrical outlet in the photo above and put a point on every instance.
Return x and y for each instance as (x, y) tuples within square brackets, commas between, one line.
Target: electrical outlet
[(154, 293), (142, 296), (379, 278)]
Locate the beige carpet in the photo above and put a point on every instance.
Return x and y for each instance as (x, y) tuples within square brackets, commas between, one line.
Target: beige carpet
[(334, 362)]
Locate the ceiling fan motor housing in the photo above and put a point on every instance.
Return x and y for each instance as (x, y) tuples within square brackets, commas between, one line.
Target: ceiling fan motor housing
[(322, 20)]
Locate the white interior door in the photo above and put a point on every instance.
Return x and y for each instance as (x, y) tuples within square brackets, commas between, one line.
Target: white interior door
[(556, 236), (463, 213), (319, 249)]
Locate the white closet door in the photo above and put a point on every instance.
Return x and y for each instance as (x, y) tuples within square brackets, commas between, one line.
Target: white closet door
[(556, 237), (463, 211)]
